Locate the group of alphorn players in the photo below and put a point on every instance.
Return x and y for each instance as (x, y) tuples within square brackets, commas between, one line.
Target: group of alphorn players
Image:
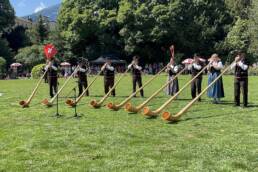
[(197, 67)]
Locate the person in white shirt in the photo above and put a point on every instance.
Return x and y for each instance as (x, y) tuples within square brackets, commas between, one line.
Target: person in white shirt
[(196, 85), (109, 76), (241, 79), (82, 78), (52, 69), (216, 91), (172, 70), (136, 74)]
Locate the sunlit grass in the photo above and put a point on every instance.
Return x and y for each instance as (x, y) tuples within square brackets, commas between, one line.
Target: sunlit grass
[(207, 138)]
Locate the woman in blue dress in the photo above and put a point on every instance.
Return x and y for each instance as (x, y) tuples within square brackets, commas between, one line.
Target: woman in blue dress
[(216, 91)]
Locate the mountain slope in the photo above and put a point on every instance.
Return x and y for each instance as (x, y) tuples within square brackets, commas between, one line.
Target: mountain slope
[(51, 12)]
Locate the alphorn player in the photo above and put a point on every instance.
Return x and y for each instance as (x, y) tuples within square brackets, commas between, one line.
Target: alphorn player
[(241, 78), (109, 76), (172, 70), (136, 74), (216, 91), (52, 76), (82, 78), (196, 85)]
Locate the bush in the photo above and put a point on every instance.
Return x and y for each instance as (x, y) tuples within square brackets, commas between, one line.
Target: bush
[(2, 67), (36, 71)]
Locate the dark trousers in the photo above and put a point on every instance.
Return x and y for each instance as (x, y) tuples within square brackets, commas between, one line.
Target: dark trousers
[(241, 85), (196, 86), (137, 80), (52, 87), (81, 85), (108, 84)]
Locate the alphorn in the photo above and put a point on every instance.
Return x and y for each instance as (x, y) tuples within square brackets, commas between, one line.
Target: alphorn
[(116, 107), (73, 103), (98, 104), (167, 116), (130, 108), (49, 103), (148, 112), (26, 103)]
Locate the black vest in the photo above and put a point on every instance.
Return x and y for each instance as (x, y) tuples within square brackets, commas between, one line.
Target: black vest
[(136, 72), (108, 74), (171, 72), (213, 70), (51, 72), (82, 75), (239, 72), (195, 71)]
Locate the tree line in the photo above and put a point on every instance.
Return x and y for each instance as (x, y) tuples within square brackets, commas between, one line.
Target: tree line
[(91, 28)]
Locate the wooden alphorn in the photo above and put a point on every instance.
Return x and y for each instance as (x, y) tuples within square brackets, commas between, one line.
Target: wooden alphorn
[(97, 104), (73, 103), (167, 116), (130, 108), (116, 107), (49, 103), (148, 112), (26, 103)]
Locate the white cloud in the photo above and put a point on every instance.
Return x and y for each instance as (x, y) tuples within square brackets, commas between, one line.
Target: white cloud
[(40, 7)]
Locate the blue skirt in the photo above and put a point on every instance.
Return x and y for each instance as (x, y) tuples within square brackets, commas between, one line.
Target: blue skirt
[(216, 90)]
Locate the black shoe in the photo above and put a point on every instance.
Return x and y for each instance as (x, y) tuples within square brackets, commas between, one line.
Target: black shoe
[(236, 105)]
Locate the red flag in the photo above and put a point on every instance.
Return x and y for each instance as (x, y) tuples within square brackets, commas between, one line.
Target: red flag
[(172, 51), (50, 51)]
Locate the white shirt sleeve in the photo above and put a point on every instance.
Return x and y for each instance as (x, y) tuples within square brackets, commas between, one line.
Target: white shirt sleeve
[(54, 68), (138, 67), (176, 69), (130, 66), (111, 68), (196, 66), (46, 67), (219, 66), (242, 65), (82, 70), (233, 65)]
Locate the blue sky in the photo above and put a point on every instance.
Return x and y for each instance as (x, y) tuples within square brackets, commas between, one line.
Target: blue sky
[(26, 7)]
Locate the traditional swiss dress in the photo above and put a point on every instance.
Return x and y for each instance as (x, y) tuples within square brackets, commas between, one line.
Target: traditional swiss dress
[(241, 81), (173, 87), (216, 91)]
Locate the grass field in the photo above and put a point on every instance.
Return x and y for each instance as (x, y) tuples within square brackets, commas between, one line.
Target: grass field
[(208, 138)]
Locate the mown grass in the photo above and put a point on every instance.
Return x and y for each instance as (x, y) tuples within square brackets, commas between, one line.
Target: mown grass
[(208, 138)]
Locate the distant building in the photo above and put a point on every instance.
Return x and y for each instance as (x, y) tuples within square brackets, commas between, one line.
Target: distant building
[(23, 22)]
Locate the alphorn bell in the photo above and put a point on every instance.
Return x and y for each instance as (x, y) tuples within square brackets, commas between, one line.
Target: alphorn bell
[(167, 116), (130, 108), (149, 113), (50, 103), (73, 103), (26, 103), (98, 104), (116, 107)]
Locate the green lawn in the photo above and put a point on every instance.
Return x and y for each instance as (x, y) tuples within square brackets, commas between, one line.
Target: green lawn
[(208, 138)]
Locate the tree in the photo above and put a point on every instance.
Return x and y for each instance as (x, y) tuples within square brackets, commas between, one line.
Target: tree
[(2, 66), (30, 56), (253, 30), (17, 38), (6, 15), (40, 31)]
